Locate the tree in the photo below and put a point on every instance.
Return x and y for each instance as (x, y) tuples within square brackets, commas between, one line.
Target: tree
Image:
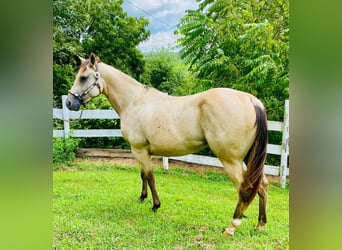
[(240, 44), (167, 72), (99, 26)]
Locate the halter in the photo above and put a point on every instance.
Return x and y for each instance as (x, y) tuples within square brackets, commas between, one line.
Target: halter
[(97, 76)]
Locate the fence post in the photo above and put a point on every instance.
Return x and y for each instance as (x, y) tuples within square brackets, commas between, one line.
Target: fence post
[(65, 117), (166, 163), (285, 146)]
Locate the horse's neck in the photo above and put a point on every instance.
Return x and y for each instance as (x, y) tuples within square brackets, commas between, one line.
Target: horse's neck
[(120, 88)]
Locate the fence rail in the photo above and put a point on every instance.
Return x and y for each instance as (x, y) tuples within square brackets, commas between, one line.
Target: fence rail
[(283, 150)]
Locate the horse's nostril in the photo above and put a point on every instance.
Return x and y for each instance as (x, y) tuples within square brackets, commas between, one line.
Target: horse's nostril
[(68, 103)]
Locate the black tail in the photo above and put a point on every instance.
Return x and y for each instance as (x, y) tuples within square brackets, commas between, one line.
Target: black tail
[(256, 156)]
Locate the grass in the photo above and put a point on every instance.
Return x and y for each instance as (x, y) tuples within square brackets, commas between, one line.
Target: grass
[(96, 207)]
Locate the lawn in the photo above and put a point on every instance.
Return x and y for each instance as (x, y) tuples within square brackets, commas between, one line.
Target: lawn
[(95, 206)]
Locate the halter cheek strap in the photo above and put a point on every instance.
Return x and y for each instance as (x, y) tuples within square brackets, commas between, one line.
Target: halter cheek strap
[(97, 76)]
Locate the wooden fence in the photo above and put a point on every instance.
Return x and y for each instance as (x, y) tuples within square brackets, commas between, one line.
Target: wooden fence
[(283, 150)]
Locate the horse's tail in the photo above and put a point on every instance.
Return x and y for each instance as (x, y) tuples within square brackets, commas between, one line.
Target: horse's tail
[(256, 155)]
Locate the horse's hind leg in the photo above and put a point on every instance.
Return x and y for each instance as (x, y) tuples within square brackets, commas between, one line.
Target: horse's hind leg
[(263, 193), (238, 215), (237, 176), (147, 176), (243, 203)]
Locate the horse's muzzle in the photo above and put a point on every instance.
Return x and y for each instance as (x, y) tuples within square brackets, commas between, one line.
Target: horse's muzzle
[(73, 103)]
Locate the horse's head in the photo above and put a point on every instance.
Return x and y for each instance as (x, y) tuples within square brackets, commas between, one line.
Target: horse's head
[(87, 84)]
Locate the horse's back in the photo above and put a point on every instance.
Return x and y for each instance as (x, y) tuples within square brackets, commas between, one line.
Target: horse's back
[(166, 125)]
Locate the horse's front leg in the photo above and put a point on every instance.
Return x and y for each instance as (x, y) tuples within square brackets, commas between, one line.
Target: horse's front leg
[(147, 176), (152, 184), (143, 195)]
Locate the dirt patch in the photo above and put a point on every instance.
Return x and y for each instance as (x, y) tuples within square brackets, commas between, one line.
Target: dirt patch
[(155, 162), (123, 157)]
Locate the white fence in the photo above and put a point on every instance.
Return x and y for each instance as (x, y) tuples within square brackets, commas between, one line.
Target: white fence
[(283, 150)]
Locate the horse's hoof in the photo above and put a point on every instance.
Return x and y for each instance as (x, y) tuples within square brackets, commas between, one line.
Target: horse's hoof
[(229, 232), (155, 208), (259, 227), (142, 197)]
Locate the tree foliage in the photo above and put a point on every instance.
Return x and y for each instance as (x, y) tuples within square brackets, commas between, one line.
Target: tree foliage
[(99, 26), (240, 44), (167, 72)]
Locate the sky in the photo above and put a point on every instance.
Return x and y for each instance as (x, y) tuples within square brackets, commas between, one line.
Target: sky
[(163, 17)]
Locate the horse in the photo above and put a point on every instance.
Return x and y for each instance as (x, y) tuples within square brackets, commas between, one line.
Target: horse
[(231, 123)]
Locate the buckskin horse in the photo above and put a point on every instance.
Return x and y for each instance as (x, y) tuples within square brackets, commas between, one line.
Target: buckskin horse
[(231, 123)]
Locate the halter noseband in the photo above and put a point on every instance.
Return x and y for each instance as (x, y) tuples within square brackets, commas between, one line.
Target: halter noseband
[(97, 76)]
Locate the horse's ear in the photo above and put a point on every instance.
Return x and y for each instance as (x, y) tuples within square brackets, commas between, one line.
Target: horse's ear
[(82, 60), (79, 60), (93, 58)]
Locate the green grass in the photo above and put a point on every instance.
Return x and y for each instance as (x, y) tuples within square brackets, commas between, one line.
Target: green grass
[(96, 207)]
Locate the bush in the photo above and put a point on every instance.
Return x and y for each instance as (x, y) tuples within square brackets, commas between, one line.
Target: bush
[(167, 72), (64, 151)]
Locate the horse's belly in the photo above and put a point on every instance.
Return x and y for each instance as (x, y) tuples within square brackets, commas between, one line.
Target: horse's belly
[(176, 148)]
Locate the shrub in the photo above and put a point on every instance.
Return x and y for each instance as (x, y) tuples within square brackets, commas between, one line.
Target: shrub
[(64, 151)]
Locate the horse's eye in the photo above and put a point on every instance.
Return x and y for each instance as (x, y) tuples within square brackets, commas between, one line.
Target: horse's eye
[(83, 78)]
